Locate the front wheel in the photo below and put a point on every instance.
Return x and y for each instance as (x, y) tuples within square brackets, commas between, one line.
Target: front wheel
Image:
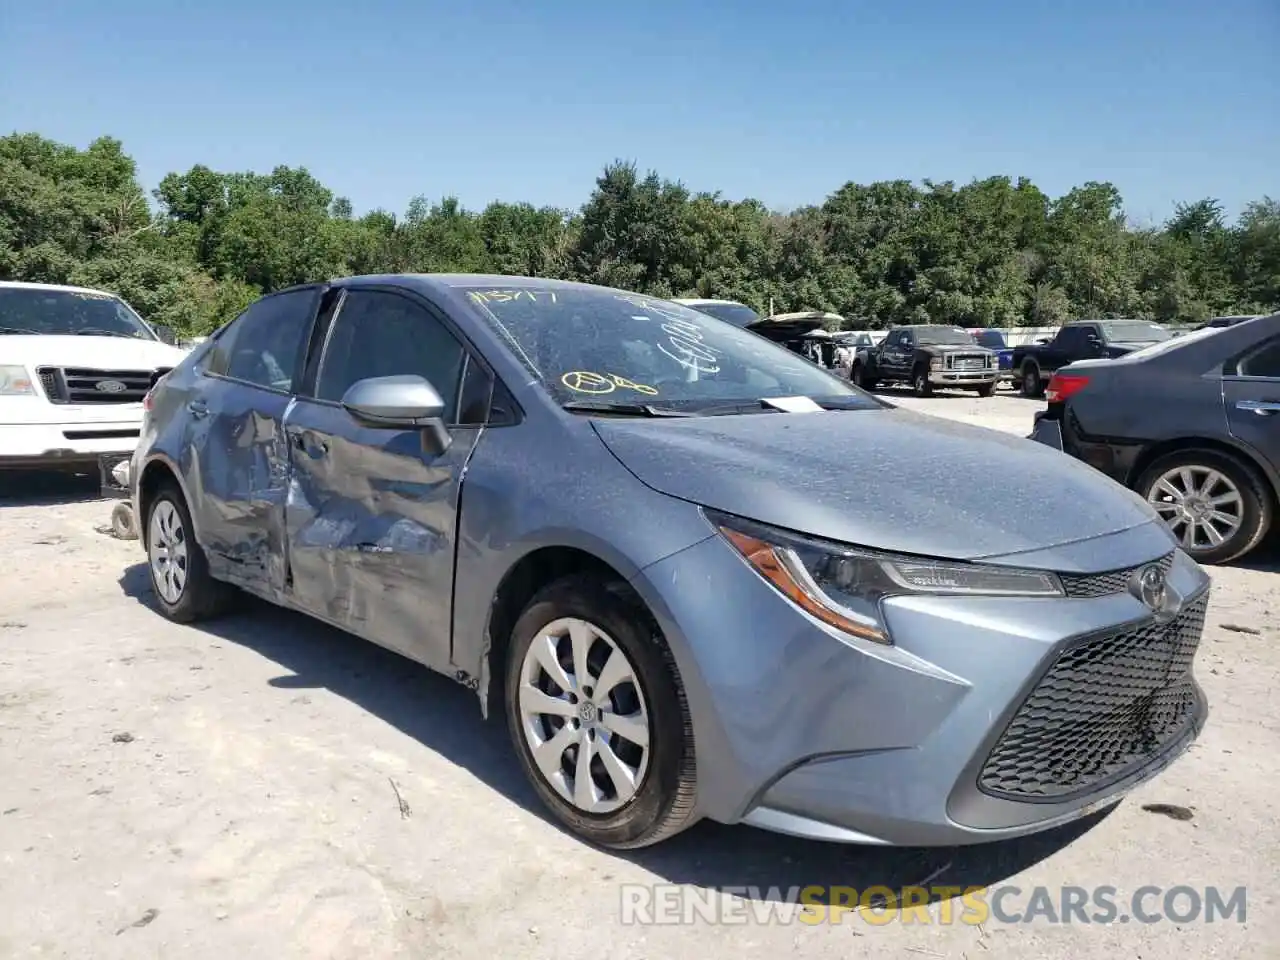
[(987, 390), (920, 382), (1032, 386), (179, 571), (1217, 508), (598, 716)]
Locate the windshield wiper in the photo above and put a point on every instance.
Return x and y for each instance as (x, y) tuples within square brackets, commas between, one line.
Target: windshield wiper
[(622, 409), (17, 330), (99, 332)]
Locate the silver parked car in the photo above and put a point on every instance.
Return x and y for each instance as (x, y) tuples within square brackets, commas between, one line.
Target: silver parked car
[(699, 575)]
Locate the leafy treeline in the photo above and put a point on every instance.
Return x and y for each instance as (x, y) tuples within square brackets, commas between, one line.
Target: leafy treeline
[(995, 252)]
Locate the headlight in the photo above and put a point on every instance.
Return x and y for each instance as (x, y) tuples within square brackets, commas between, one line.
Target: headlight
[(935, 363), (842, 586), (16, 382)]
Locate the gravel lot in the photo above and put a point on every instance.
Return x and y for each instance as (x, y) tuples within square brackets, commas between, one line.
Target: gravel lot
[(267, 787)]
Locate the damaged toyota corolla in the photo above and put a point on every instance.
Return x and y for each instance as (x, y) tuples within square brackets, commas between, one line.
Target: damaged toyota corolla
[(700, 576)]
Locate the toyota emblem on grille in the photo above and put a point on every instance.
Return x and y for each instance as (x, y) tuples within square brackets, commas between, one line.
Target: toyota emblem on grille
[(1149, 586), (110, 386)]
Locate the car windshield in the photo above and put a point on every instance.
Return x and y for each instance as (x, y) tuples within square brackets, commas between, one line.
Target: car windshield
[(31, 310), (944, 335), (990, 338), (735, 313), (607, 346), (1134, 331)]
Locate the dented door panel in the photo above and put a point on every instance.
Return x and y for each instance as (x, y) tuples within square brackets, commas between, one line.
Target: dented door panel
[(371, 526), (238, 471)]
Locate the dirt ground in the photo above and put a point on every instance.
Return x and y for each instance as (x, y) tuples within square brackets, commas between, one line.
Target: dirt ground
[(264, 786)]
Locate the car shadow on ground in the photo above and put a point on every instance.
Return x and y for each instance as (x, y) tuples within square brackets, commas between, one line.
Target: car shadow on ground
[(427, 706), (34, 488)]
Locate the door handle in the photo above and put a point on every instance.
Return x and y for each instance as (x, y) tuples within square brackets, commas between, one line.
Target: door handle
[(1263, 408), (198, 408)]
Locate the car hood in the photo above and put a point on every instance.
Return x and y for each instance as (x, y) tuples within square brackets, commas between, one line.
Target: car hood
[(98, 353), (891, 479)]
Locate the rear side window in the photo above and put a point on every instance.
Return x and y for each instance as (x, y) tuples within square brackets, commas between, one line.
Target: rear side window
[(265, 345), (380, 334), (1263, 362)]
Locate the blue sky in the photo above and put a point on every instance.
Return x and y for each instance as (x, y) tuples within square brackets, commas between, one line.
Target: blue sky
[(492, 99)]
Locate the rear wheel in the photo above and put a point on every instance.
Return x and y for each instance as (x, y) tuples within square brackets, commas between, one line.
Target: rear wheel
[(180, 576), (598, 716), (1218, 508)]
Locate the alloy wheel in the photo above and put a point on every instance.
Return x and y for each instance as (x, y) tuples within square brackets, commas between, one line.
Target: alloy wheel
[(167, 551), (1201, 505), (583, 716)]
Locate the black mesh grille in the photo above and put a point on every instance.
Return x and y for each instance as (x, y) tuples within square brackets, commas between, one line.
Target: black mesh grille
[(1104, 708), (1082, 586), (82, 385)]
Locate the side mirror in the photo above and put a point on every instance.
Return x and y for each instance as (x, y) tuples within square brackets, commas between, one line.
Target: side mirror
[(166, 334), (405, 402)]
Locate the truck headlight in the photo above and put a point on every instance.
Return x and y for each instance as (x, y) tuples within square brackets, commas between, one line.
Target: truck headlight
[(842, 586), (935, 363), (16, 382)]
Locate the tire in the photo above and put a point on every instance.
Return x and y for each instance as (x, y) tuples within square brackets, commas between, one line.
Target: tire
[(988, 391), (1032, 384), (663, 800), (1255, 508), (194, 595), (123, 526), (920, 382), (863, 379)]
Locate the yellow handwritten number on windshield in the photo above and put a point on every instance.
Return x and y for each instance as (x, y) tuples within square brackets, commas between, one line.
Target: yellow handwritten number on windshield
[(584, 381)]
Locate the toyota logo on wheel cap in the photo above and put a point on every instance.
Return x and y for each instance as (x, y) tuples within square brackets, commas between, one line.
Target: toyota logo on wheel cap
[(110, 386)]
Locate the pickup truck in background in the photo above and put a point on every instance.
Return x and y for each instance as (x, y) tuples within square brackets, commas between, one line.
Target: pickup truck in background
[(1033, 364), (927, 357)]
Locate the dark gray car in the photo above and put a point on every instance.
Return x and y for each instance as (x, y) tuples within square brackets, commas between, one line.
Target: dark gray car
[(1190, 423), (704, 577)]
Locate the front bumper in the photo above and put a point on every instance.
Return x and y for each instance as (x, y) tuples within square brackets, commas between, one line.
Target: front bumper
[(57, 445), (804, 731), (963, 378)]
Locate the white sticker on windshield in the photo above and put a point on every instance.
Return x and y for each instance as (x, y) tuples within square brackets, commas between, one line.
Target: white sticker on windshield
[(793, 404)]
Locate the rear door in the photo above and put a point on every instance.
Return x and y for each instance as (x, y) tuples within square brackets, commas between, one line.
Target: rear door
[(1251, 392), (237, 459), (371, 522)]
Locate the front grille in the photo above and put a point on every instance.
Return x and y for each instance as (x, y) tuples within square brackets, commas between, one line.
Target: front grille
[(1105, 707), (85, 385), (1088, 585), (966, 361)]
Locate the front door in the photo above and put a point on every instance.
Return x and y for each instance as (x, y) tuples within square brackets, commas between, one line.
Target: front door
[(236, 457), (1252, 398), (372, 517)]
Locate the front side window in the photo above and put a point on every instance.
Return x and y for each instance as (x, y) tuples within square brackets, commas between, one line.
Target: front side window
[(588, 343), (264, 346), (382, 334), (49, 312)]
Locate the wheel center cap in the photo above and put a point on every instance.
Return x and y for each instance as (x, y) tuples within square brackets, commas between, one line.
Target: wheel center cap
[(587, 712)]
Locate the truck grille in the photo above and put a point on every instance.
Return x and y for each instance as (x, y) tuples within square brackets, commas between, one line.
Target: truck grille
[(1104, 708), (967, 361), (84, 385), (1089, 585)]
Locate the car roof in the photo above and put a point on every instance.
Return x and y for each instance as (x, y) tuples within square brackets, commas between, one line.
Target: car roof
[(690, 301), (59, 287), (452, 281)]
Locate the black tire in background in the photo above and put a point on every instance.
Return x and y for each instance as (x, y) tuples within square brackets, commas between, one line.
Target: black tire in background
[(920, 382), (1256, 499), (1032, 385), (663, 804)]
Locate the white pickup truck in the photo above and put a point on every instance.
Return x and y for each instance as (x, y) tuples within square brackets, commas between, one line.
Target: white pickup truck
[(74, 366)]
